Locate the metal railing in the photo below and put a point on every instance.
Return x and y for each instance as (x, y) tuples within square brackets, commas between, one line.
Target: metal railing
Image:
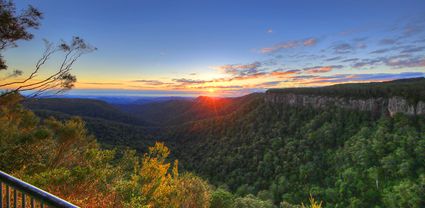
[(15, 193)]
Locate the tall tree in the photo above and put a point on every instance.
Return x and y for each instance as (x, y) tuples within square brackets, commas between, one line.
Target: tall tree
[(14, 27)]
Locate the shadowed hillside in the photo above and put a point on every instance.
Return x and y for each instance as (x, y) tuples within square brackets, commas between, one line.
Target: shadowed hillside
[(175, 112), (84, 108)]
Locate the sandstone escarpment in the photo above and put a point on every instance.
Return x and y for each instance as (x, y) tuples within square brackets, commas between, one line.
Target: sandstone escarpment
[(389, 106)]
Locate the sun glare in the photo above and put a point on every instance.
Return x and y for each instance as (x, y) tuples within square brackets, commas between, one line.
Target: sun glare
[(211, 90)]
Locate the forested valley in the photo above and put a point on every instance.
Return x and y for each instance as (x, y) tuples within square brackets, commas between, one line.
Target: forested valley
[(238, 151)]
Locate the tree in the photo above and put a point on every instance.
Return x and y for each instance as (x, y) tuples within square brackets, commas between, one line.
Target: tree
[(404, 194), (154, 183), (193, 191), (59, 157), (313, 203), (14, 27), (221, 198), (250, 201)]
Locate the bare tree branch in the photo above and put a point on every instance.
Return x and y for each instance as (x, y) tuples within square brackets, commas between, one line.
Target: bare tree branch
[(46, 55), (60, 81)]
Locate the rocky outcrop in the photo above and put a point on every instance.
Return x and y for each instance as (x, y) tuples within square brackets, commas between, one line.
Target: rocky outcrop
[(400, 105), (389, 106), (420, 108)]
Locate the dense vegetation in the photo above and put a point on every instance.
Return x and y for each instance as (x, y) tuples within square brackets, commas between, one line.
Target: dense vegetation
[(86, 108), (346, 158), (275, 155), (176, 112), (62, 158), (412, 89)]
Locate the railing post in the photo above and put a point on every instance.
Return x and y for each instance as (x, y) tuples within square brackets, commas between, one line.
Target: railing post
[(23, 199), (15, 198), (32, 202), (1, 194), (7, 196)]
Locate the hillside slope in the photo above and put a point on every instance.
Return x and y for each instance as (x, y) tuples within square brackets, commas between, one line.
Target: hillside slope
[(176, 112), (85, 108), (339, 155), (111, 126), (346, 157)]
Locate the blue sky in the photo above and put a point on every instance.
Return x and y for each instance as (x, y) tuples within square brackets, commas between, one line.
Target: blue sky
[(232, 47)]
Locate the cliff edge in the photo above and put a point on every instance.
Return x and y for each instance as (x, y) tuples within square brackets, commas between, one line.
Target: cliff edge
[(389, 106)]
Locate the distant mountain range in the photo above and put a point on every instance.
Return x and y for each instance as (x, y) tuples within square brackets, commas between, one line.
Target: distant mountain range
[(121, 100)]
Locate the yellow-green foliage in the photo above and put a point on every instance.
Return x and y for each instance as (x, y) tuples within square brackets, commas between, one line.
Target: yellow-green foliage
[(193, 191), (313, 203), (62, 158)]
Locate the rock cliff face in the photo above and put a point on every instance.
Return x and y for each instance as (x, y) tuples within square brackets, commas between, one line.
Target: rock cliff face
[(389, 106)]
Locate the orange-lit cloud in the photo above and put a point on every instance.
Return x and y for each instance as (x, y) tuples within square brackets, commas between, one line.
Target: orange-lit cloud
[(319, 69), (284, 73), (310, 42), (150, 82)]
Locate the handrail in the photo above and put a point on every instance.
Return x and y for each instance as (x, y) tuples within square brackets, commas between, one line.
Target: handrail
[(28, 189)]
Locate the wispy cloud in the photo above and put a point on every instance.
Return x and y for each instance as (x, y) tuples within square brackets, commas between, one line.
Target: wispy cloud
[(310, 42), (387, 41), (267, 84), (290, 44), (219, 87), (101, 83), (240, 69), (413, 49), (315, 67), (284, 73), (412, 29), (350, 60), (150, 82), (384, 50), (334, 58), (394, 61), (321, 69), (190, 81), (368, 62), (343, 48), (412, 62), (341, 78)]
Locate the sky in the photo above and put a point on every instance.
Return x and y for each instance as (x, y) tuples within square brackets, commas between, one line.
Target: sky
[(229, 48)]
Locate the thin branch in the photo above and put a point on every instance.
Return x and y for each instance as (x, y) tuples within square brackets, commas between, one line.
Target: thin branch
[(61, 79), (48, 52)]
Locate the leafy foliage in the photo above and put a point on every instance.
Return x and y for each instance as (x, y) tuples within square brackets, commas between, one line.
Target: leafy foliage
[(62, 158), (14, 26), (112, 127), (345, 158)]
